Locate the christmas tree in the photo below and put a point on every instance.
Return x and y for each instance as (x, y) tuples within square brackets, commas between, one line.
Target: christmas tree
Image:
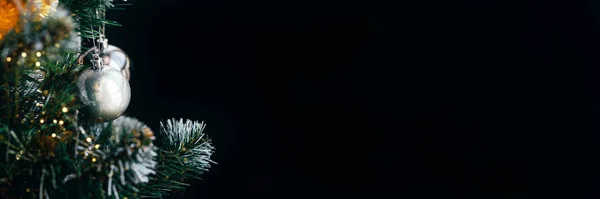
[(63, 92)]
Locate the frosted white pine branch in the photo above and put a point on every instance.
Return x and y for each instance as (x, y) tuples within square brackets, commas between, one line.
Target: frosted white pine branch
[(188, 136), (143, 162)]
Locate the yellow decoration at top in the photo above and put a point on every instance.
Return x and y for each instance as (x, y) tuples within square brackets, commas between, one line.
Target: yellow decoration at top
[(9, 12), (9, 15)]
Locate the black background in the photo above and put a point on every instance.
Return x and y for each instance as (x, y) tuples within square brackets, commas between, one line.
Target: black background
[(467, 99)]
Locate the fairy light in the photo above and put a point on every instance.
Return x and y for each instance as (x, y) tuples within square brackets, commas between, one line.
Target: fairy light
[(53, 135), (97, 146), (65, 109), (23, 54), (54, 121), (37, 63), (61, 122), (38, 54), (41, 121), (93, 159), (88, 139), (8, 59)]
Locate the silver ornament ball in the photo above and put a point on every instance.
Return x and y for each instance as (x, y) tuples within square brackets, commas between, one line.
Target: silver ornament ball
[(116, 58), (105, 93)]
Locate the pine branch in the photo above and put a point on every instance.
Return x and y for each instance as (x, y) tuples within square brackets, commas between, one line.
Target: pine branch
[(119, 155), (35, 77), (88, 14), (38, 72), (184, 154)]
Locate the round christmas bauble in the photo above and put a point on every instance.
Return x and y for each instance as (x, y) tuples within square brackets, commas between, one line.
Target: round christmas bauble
[(105, 93), (116, 58)]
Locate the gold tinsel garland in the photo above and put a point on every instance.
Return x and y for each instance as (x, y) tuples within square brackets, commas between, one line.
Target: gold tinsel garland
[(9, 12)]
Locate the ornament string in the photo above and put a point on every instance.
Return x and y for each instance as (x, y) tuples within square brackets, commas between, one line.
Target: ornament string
[(96, 61), (98, 45)]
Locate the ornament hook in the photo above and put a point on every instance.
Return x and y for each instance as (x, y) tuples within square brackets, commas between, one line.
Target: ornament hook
[(99, 45), (97, 63)]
